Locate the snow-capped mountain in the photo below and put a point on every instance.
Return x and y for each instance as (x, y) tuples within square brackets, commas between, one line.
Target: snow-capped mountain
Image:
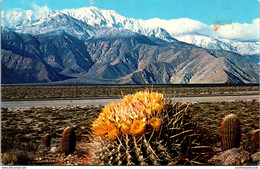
[(55, 22), (26, 21), (90, 45), (243, 48), (18, 17), (109, 18), (132, 59), (39, 22)]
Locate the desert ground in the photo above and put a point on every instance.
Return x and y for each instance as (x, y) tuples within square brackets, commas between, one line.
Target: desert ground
[(23, 129)]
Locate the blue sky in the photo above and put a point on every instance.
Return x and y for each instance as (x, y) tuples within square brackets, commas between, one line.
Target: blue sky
[(206, 11)]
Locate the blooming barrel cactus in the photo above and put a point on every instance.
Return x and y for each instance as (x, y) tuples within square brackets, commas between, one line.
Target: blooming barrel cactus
[(132, 116), (143, 129)]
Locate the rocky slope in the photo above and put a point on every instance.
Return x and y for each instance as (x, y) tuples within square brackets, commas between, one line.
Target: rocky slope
[(90, 45), (110, 58)]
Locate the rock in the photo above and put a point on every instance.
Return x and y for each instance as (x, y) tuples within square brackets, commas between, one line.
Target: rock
[(256, 158), (53, 150), (234, 156), (28, 120)]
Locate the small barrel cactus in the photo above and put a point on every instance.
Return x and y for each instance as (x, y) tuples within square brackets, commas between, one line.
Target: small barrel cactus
[(47, 140), (256, 139), (230, 132), (143, 129), (68, 140)]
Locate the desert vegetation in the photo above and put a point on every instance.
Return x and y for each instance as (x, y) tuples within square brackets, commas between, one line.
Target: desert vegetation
[(21, 92), (23, 134)]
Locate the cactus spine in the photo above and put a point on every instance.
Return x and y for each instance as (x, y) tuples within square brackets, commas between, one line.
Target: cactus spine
[(230, 132), (47, 140), (68, 140), (144, 129)]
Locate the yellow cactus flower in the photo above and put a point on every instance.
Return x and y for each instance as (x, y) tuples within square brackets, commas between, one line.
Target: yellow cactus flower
[(130, 115), (125, 128), (137, 127), (109, 109), (113, 132), (100, 130), (155, 123)]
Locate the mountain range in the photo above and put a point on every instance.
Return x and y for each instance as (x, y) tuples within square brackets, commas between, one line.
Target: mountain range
[(90, 45)]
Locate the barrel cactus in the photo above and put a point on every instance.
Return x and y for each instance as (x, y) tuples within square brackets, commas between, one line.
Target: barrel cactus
[(230, 132), (68, 140), (47, 140), (145, 129), (255, 139)]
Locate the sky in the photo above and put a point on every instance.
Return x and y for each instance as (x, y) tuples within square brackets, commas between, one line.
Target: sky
[(210, 12)]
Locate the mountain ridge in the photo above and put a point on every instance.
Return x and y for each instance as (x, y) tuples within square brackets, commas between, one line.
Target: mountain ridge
[(59, 48), (94, 16)]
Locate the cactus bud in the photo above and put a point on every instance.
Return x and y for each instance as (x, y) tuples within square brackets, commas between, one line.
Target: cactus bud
[(230, 132), (68, 140)]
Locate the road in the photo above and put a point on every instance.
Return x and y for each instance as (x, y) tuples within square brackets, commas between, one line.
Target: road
[(96, 102)]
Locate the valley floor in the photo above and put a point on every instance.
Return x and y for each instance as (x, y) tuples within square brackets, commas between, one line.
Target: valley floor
[(36, 92)]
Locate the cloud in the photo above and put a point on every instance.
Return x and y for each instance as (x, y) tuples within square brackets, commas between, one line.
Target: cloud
[(39, 10), (229, 31), (91, 2), (240, 31), (177, 26)]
